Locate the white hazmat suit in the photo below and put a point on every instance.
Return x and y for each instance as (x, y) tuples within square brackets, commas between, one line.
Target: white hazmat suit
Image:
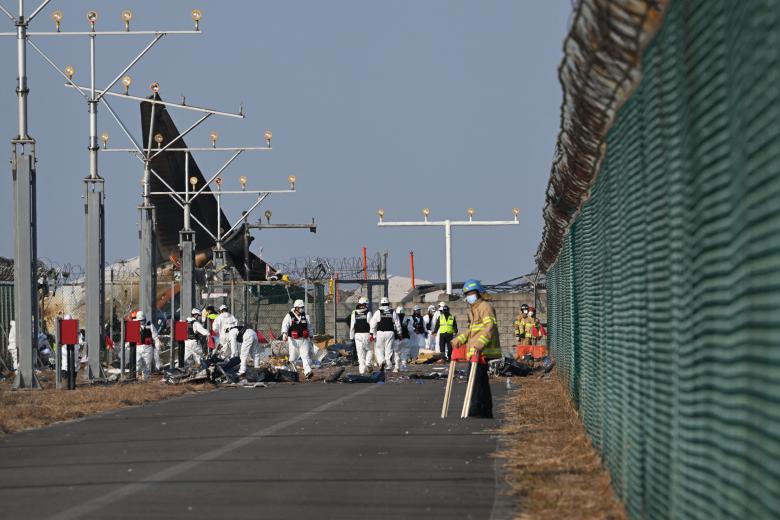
[(12, 345), (224, 325), (295, 330), (385, 326), (192, 348), (360, 333), (249, 346)]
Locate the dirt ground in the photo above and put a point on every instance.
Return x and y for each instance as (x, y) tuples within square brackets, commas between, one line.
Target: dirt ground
[(24, 410), (552, 468)]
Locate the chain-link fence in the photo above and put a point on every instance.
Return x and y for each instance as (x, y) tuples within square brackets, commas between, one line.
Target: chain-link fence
[(664, 302)]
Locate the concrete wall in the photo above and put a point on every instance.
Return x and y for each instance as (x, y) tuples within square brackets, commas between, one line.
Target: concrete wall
[(507, 306)]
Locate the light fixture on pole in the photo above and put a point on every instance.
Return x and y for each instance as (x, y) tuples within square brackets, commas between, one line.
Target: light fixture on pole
[(57, 17), (127, 80), (447, 225), (268, 135), (127, 15), (197, 14), (213, 137), (104, 138)]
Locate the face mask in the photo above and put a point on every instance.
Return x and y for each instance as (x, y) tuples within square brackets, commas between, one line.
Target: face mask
[(471, 299), (531, 314)]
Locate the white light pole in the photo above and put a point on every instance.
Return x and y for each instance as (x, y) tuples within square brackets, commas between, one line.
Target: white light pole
[(94, 195), (448, 225)]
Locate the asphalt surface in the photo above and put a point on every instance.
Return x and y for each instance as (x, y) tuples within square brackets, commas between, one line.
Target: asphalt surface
[(362, 451)]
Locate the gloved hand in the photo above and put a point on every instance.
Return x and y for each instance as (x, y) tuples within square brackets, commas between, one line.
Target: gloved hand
[(284, 337)]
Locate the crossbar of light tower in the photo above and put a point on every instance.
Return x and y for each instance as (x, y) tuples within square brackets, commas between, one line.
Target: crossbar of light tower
[(448, 225)]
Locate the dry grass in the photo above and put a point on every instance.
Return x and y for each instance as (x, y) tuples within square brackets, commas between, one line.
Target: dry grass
[(552, 468), (24, 410)]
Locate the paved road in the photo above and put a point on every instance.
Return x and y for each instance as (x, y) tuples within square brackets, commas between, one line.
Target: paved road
[(288, 451)]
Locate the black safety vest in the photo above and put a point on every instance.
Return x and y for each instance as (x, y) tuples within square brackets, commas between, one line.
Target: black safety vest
[(404, 327), (386, 323), (418, 324), (300, 326), (240, 335), (430, 322), (360, 319), (146, 334), (191, 330)]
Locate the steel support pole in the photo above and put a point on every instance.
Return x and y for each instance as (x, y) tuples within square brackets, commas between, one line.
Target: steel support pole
[(95, 261), (245, 291), (25, 226), (148, 289), (148, 253), (187, 245), (95, 236), (187, 293), (448, 254)]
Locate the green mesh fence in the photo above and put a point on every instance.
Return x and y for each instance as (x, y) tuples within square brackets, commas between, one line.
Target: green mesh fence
[(664, 304)]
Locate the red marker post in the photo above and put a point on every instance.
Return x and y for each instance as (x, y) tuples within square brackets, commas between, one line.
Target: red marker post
[(69, 337), (180, 334), (133, 337)]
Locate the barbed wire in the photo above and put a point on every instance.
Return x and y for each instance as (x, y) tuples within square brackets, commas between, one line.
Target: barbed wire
[(324, 268)]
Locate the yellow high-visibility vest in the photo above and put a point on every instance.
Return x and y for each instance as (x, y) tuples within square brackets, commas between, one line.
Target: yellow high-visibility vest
[(446, 324)]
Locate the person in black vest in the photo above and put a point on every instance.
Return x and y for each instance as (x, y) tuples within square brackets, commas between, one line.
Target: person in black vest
[(401, 347), (196, 332), (417, 332), (295, 331), (385, 326), (360, 333)]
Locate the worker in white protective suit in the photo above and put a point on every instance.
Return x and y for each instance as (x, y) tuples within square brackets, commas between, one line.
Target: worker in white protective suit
[(385, 326), (12, 345), (226, 325), (144, 355), (195, 334), (417, 332), (401, 344), (430, 338), (360, 333), (247, 337), (295, 331)]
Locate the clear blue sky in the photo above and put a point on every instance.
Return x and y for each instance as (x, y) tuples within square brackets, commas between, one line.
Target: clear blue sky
[(401, 105)]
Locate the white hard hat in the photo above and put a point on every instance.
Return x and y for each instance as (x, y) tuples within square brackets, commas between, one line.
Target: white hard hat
[(195, 312), (417, 308), (431, 307), (67, 317), (223, 307), (362, 300), (384, 301), (298, 304), (399, 310), (441, 305), (140, 316)]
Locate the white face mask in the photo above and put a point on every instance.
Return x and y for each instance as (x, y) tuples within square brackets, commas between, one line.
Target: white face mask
[(471, 299)]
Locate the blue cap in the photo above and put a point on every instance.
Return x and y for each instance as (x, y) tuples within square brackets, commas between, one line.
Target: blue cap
[(472, 285)]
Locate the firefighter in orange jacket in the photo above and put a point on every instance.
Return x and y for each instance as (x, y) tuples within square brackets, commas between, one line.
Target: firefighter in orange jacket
[(481, 342)]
